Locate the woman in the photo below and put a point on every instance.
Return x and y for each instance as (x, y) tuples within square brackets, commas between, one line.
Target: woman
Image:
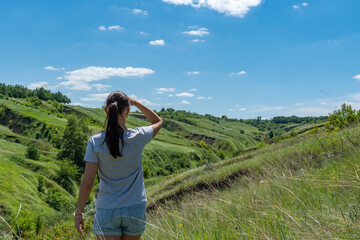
[(116, 155)]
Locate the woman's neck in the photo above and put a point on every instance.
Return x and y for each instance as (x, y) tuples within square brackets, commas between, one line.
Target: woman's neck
[(122, 123)]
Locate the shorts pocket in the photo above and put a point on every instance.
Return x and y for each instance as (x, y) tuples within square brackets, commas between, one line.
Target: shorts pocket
[(103, 217), (137, 219)]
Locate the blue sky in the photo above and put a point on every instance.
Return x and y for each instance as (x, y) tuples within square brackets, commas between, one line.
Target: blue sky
[(240, 58)]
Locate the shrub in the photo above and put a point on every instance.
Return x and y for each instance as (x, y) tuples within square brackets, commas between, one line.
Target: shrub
[(146, 171), (203, 144), (292, 133), (54, 199), (315, 130), (221, 154), (68, 171), (342, 118), (260, 144), (32, 152), (40, 186), (33, 101), (39, 224), (25, 224)]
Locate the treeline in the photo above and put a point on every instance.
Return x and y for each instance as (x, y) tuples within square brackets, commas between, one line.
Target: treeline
[(262, 124), (267, 124), (295, 119), (18, 91)]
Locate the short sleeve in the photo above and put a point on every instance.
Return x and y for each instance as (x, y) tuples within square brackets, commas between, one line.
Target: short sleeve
[(90, 155), (146, 133)]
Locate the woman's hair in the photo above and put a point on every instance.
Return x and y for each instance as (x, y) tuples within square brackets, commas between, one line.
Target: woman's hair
[(116, 103)]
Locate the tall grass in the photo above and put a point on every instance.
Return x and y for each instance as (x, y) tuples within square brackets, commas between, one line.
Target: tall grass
[(305, 188), (309, 190)]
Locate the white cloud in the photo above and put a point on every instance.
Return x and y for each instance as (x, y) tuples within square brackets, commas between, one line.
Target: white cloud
[(111, 28), (77, 104), (59, 78), (51, 68), (97, 97), (165, 89), (170, 95), (193, 73), (299, 104), (159, 42), (310, 111), (237, 109), (357, 77), (237, 105), (261, 109), (143, 100), (79, 79), (115, 27), (184, 102), (323, 103), (184, 94), (236, 8), (238, 73), (193, 89), (199, 32), (101, 87), (102, 28), (38, 85), (203, 98), (143, 33), (297, 6), (197, 40), (139, 11)]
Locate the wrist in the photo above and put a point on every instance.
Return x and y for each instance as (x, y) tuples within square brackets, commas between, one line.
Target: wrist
[(78, 216), (78, 212)]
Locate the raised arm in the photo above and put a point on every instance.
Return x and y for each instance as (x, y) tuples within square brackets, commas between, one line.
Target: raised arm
[(156, 121)]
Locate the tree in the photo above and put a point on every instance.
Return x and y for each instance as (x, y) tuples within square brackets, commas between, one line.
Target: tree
[(342, 118), (68, 171), (74, 140), (271, 134), (32, 152)]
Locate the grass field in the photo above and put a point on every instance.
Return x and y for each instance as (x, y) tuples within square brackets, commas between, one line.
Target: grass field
[(188, 190), (303, 189), (306, 187)]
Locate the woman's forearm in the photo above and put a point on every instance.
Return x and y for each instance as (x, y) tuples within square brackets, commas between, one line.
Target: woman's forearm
[(149, 114), (84, 193)]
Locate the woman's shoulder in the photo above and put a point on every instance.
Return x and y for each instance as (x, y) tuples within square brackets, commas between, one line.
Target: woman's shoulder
[(98, 136)]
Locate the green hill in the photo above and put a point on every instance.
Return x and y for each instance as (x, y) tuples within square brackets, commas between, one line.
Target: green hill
[(190, 151)]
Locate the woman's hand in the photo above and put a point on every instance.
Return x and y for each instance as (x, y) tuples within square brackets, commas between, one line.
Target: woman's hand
[(132, 101), (79, 224)]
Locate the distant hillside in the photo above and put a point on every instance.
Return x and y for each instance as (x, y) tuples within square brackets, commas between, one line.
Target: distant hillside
[(186, 141)]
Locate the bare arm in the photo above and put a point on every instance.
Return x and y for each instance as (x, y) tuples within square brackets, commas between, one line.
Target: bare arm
[(86, 185), (156, 121)]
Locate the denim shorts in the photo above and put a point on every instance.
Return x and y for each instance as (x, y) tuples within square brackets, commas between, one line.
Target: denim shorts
[(128, 220)]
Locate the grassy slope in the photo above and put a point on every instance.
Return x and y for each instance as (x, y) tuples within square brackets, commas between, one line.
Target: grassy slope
[(180, 144), (302, 188), (19, 175), (168, 144), (306, 187), (19, 181)]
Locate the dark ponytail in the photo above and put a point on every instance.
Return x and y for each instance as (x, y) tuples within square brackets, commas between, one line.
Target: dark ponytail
[(116, 103)]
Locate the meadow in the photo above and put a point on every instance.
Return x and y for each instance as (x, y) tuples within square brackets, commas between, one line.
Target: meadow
[(207, 177)]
